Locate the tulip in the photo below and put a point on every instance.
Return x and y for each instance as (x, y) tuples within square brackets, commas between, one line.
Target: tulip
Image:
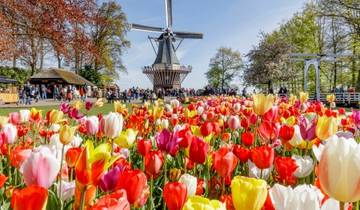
[(72, 155), (305, 165), (198, 150), (201, 203), (116, 200), (67, 134), (263, 156), (326, 127), (262, 103), (29, 198), (268, 131), (247, 138), (24, 115), (88, 105), (224, 162), (144, 147), (206, 128), (35, 114), (330, 98), (190, 182), (175, 194), (112, 125), (3, 179), (307, 129), (248, 193), (304, 96), (54, 116), (41, 168), (339, 169), (126, 138), (356, 118), (67, 191), (10, 133), (92, 125), (272, 114), (242, 153), (154, 161), (303, 197), (234, 123), (185, 136), (168, 142), (296, 140), (286, 133), (258, 173), (135, 184), (108, 181), (285, 168), (14, 118)]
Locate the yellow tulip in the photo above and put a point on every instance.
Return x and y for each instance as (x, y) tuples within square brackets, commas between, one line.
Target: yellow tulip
[(304, 96), (119, 107), (158, 112), (77, 104), (289, 121), (35, 114), (99, 103), (292, 99), (248, 193), (55, 116), (262, 103), (126, 138), (3, 120), (201, 203), (190, 114), (326, 127), (330, 98), (66, 134)]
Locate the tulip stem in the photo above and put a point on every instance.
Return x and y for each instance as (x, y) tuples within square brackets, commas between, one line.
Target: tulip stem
[(60, 184), (9, 167), (357, 205), (82, 199), (342, 205)]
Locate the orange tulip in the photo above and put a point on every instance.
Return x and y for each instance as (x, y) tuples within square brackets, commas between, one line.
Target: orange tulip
[(114, 201), (3, 179), (29, 198)]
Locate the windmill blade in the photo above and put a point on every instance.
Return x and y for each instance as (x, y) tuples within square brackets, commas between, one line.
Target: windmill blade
[(168, 13), (146, 28), (188, 35)]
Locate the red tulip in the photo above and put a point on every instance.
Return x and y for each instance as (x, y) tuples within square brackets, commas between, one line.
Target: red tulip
[(114, 201), (227, 199), (247, 138), (244, 123), (29, 198), (242, 153), (185, 135), (135, 184), (143, 147), (72, 155), (3, 179), (285, 168), (224, 162), (153, 163), (263, 156), (175, 194), (268, 205), (268, 131), (286, 133), (206, 128), (271, 115), (198, 150)]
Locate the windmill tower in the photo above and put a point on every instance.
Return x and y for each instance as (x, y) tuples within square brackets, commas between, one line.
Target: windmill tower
[(166, 71)]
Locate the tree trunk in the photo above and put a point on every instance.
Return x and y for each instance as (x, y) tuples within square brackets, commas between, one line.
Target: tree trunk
[(14, 61), (59, 61), (269, 86), (42, 54)]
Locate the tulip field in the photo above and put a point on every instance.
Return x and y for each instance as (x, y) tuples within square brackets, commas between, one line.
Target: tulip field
[(210, 153)]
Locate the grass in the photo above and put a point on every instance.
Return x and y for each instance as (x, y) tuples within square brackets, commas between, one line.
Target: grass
[(94, 111)]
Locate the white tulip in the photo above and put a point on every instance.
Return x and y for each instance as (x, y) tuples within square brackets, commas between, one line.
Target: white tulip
[(305, 166), (24, 115), (112, 124), (190, 182), (255, 172), (10, 132), (67, 190), (55, 127), (297, 138)]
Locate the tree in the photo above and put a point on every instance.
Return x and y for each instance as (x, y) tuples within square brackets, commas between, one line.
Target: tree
[(91, 74), (225, 66), (268, 61)]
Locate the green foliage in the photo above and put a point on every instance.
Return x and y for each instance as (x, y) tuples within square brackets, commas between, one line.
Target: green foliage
[(225, 66), (21, 75), (91, 74)]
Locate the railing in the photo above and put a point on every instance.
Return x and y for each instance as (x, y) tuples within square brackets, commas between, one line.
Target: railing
[(347, 98)]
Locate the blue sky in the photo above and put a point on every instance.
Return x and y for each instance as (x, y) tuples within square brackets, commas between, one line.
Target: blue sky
[(229, 23)]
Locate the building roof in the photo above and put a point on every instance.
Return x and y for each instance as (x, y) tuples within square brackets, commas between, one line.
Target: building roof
[(68, 76), (166, 51), (4, 80)]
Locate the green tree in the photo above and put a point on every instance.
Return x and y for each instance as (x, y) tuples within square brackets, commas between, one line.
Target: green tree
[(91, 74), (225, 66)]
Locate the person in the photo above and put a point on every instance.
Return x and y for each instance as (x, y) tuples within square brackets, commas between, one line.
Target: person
[(43, 92)]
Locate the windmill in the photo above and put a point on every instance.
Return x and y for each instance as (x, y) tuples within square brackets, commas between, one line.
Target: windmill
[(166, 71)]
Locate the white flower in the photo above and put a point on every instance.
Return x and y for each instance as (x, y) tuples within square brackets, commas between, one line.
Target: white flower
[(255, 172), (24, 115), (190, 182), (55, 127), (297, 138), (67, 190), (305, 165)]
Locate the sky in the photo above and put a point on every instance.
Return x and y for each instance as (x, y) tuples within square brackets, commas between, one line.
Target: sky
[(228, 23)]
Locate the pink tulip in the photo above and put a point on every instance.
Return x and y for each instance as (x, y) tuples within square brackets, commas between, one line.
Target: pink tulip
[(41, 168), (234, 123), (92, 125), (112, 124), (14, 118), (356, 118), (307, 129), (272, 114), (9, 133), (168, 142)]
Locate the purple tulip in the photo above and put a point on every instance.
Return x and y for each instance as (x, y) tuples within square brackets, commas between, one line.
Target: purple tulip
[(168, 142), (307, 129), (75, 114), (64, 107), (88, 105), (356, 118), (109, 181)]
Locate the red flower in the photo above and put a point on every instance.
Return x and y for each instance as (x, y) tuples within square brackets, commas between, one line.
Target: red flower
[(18, 155), (72, 155), (268, 205), (227, 199), (224, 162), (244, 123), (263, 156), (200, 187), (198, 150), (247, 138), (242, 153), (29, 198), (113, 201), (135, 184), (185, 135), (286, 133), (206, 128), (285, 167), (3, 179), (143, 147), (268, 131), (175, 194), (153, 163)]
